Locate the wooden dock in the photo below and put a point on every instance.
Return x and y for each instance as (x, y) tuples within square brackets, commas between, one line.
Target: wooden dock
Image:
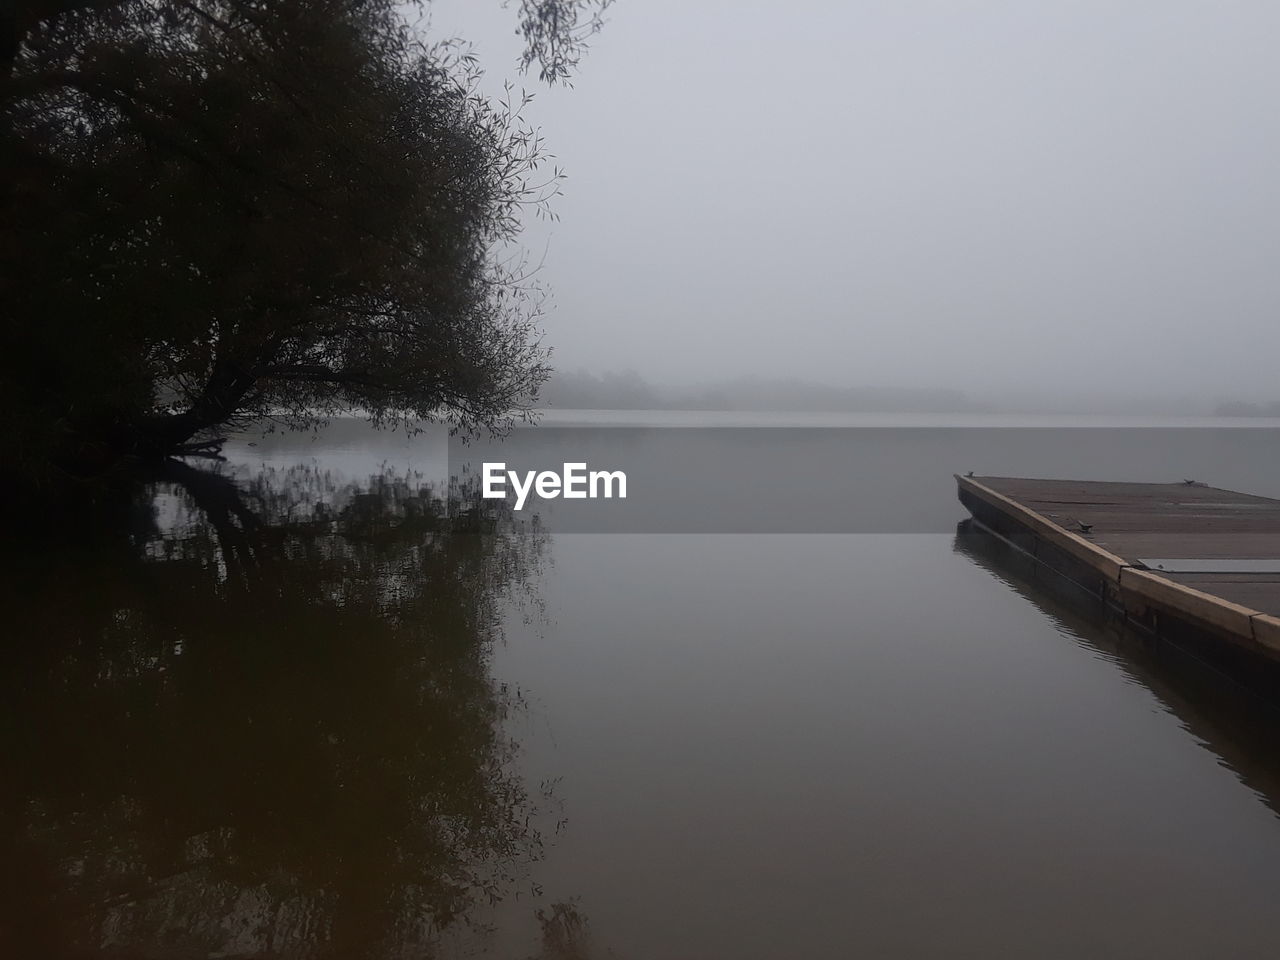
[(1183, 561)]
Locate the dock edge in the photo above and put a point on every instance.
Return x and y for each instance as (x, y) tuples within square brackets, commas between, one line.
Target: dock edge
[(1145, 599)]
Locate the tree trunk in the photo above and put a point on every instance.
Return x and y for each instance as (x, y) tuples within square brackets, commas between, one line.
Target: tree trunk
[(162, 435)]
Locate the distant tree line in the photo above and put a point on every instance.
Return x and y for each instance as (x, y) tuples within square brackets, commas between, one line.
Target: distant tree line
[(1239, 408), (629, 391)]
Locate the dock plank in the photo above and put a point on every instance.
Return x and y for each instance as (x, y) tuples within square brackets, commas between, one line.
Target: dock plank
[(1153, 519)]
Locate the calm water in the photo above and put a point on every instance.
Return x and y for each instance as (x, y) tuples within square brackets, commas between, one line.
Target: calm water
[(292, 710)]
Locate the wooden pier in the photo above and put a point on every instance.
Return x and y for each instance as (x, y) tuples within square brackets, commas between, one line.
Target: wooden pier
[(1182, 561)]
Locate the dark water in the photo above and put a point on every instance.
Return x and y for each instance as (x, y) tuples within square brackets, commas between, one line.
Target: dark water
[(296, 711)]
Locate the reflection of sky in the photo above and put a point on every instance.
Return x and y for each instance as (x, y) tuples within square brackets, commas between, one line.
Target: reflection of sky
[(821, 747), (828, 473), (350, 449)]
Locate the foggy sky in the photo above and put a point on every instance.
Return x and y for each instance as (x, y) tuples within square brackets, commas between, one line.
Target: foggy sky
[(1050, 195)]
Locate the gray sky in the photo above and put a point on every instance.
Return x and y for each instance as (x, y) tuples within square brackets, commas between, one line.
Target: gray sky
[(985, 194)]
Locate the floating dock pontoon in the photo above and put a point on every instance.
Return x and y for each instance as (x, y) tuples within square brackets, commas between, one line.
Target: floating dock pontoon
[(1183, 561)]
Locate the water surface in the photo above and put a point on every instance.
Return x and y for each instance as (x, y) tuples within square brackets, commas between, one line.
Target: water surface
[(295, 710)]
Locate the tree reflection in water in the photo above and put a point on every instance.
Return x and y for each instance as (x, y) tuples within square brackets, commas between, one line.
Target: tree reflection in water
[(261, 724)]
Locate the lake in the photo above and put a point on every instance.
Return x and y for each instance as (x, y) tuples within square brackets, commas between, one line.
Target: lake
[(304, 706)]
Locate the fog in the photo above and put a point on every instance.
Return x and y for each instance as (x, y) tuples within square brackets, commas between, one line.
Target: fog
[(1071, 199)]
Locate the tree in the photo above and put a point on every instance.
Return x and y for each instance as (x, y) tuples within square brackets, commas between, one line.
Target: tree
[(221, 210)]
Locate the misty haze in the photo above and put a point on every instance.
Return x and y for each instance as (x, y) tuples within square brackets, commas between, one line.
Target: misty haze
[(1035, 205), (568, 479)]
